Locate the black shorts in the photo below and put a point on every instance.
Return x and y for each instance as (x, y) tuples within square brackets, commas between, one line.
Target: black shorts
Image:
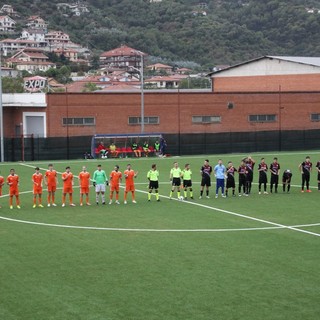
[(230, 183), (288, 181), (176, 182), (206, 181), (153, 184), (187, 183), (263, 178)]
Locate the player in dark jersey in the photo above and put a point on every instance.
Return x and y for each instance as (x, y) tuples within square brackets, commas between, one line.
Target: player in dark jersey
[(275, 170), (205, 172), (305, 168), (318, 170), (250, 165), (263, 178), (286, 180), (243, 172), (231, 170)]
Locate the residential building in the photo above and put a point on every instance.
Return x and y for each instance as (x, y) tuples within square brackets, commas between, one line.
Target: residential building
[(183, 71), (36, 22), (37, 35), (165, 82), (123, 57), (11, 46), (57, 39), (70, 54), (76, 9), (7, 24), (9, 72), (30, 60), (8, 9), (159, 67)]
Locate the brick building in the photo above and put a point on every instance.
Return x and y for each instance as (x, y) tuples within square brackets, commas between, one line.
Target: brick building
[(235, 117)]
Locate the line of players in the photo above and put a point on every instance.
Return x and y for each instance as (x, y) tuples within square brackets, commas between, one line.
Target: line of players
[(225, 180), (245, 172), (50, 179)]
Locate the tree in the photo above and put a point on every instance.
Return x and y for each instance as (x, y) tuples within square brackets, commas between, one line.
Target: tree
[(12, 85)]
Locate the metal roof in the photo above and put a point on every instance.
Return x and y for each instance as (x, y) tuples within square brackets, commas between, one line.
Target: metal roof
[(313, 61)]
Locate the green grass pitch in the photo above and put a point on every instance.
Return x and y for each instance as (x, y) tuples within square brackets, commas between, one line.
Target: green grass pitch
[(253, 257)]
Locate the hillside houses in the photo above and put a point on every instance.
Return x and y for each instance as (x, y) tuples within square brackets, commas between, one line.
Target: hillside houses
[(35, 34), (36, 22), (7, 9), (124, 58), (73, 9), (30, 60), (7, 24)]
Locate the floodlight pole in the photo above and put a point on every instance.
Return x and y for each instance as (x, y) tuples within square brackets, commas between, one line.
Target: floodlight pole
[(1, 113), (142, 94), (142, 87)]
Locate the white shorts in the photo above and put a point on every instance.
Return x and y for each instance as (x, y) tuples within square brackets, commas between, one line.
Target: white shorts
[(100, 188)]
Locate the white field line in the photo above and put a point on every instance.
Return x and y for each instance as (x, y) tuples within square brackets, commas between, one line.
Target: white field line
[(275, 225), (135, 229), (217, 156)]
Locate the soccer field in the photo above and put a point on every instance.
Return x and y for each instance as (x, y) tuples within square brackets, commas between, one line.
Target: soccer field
[(253, 257)]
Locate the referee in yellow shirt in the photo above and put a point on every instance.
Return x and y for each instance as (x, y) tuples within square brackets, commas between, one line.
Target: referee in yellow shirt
[(153, 177), (175, 178), (187, 181)]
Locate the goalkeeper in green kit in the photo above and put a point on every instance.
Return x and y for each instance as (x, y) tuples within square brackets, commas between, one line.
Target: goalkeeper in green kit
[(100, 180)]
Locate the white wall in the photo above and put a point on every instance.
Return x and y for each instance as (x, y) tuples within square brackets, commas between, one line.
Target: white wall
[(268, 66), (24, 100)]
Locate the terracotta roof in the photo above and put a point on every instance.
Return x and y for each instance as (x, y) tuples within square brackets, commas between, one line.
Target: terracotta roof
[(159, 65), (34, 63), (19, 41), (183, 69), (120, 86), (79, 86), (122, 51), (168, 78)]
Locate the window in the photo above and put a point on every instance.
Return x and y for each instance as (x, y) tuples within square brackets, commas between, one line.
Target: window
[(262, 118), (147, 120), (78, 121), (315, 117), (206, 119)]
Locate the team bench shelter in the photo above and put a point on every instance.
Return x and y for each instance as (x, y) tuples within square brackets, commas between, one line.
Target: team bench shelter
[(125, 145)]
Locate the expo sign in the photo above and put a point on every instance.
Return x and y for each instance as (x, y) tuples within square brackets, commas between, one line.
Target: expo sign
[(34, 84)]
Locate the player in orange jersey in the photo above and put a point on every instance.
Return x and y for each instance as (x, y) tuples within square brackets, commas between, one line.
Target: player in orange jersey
[(51, 181), (1, 185), (37, 179), (129, 175), (67, 178), (13, 182), (84, 181), (115, 179)]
